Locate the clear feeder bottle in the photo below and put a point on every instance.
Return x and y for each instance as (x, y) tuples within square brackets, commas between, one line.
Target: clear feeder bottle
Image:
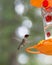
[(47, 21)]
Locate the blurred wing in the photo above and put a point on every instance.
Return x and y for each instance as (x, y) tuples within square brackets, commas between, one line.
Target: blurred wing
[(17, 39)]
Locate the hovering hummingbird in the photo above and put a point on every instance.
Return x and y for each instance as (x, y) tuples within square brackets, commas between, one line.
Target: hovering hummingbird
[(24, 41)]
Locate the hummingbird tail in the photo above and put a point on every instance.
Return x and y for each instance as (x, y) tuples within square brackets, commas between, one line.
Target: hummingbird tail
[(18, 47)]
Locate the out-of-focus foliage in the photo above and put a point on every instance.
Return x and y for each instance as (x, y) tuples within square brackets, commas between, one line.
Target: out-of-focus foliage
[(9, 21)]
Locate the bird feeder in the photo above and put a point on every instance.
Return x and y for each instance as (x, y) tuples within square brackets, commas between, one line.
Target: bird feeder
[(44, 46)]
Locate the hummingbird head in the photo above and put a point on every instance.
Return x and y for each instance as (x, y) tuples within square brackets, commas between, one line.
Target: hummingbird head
[(26, 36)]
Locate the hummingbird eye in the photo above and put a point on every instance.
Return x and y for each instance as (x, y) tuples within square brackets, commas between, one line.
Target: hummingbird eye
[(26, 35)]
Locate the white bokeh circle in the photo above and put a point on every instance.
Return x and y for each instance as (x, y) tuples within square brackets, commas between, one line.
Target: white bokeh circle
[(22, 59), (19, 9), (22, 31), (27, 23)]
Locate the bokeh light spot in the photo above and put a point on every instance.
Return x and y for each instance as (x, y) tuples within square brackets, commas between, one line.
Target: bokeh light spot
[(22, 58), (27, 23), (21, 31), (19, 9)]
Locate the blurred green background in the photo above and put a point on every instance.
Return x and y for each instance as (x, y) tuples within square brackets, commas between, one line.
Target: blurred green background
[(10, 20)]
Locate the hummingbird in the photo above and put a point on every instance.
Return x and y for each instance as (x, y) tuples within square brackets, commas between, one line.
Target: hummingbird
[(24, 41)]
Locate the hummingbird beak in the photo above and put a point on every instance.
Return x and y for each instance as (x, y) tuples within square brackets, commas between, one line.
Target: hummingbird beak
[(27, 35)]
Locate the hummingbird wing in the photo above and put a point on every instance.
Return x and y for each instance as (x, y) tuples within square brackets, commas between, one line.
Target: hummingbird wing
[(17, 39)]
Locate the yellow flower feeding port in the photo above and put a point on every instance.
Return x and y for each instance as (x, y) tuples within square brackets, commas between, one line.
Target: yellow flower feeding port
[(44, 46)]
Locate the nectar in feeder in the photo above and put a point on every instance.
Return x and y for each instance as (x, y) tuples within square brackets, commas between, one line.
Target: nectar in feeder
[(48, 18), (48, 34)]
